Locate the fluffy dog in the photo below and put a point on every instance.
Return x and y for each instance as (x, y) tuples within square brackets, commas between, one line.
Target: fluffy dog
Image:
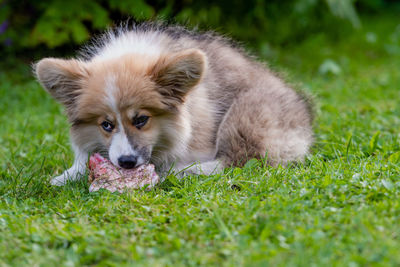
[(173, 97)]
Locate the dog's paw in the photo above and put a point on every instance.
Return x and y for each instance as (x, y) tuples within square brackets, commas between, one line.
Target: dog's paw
[(59, 180), (72, 174), (206, 168)]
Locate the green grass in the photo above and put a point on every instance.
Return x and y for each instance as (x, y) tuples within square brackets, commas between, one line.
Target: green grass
[(341, 208)]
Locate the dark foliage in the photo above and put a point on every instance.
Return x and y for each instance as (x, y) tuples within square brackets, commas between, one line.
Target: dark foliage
[(34, 25)]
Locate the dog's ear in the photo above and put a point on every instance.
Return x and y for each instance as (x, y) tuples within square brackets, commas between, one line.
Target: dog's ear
[(176, 74), (63, 79)]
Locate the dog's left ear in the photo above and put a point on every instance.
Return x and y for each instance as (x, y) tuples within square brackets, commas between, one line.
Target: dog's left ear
[(176, 74)]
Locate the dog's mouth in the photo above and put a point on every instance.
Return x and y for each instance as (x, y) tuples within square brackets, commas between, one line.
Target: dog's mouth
[(127, 162), (103, 153)]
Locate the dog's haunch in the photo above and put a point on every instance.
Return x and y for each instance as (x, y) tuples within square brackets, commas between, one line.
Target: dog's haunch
[(104, 175)]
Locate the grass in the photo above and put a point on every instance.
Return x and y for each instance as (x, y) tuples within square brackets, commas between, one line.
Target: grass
[(340, 208)]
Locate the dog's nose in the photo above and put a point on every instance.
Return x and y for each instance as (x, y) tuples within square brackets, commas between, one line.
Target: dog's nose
[(127, 162)]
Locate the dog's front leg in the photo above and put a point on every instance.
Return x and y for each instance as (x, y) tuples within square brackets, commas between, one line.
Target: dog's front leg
[(206, 168), (77, 170)]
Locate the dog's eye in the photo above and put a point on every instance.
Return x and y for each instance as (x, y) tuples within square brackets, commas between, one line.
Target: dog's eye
[(141, 121), (107, 126)]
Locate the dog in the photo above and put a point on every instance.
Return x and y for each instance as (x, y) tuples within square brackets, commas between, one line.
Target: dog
[(176, 98)]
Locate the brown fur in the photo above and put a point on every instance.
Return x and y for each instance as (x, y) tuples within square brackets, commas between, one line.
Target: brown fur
[(206, 101)]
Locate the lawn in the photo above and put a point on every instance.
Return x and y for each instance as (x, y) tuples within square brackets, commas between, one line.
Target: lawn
[(340, 208)]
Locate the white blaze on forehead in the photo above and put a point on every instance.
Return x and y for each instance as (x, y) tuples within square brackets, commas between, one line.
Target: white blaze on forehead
[(111, 90)]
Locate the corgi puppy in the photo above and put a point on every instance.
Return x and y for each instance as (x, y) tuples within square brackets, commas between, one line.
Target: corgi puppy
[(174, 98)]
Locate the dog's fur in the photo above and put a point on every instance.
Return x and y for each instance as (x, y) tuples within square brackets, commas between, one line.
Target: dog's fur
[(208, 102)]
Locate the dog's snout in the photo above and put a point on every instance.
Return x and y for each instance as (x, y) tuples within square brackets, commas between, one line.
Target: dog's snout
[(127, 162)]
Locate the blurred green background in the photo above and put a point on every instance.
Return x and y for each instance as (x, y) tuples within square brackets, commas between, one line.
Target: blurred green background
[(28, 28)]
